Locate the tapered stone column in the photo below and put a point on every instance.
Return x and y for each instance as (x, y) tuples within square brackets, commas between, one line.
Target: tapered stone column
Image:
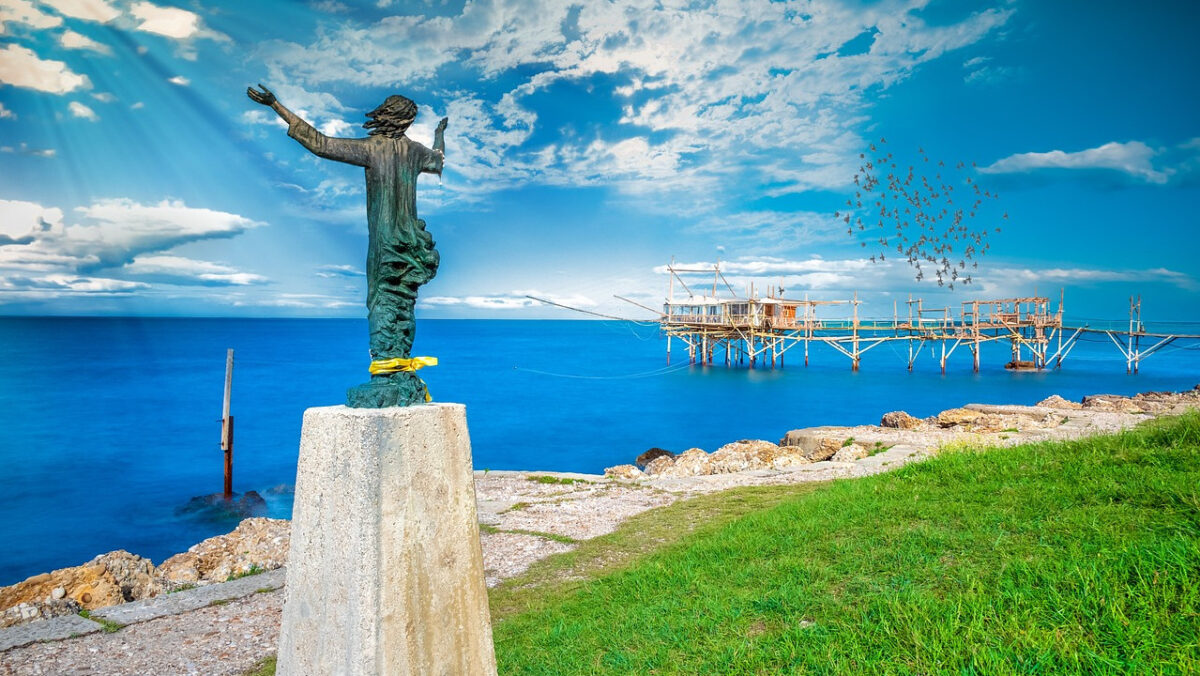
[(385, 572)]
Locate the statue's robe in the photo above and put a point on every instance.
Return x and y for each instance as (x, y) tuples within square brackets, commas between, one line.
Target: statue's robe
[(400, 253)]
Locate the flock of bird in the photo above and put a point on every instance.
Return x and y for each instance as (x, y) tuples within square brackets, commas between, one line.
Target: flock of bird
[(918, 217)]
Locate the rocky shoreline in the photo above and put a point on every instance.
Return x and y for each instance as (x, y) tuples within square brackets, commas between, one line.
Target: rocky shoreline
[(257, 544), (986, 424), (526, 516)]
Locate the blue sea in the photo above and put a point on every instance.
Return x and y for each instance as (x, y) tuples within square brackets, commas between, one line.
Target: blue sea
[(109, 425)]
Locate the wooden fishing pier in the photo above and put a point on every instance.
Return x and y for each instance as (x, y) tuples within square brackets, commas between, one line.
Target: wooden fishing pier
[(761, 331)]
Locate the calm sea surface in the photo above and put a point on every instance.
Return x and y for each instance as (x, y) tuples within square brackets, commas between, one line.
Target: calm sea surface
[(108, 425)]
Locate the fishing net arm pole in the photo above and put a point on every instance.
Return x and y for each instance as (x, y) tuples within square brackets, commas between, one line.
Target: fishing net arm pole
[(589, 312)]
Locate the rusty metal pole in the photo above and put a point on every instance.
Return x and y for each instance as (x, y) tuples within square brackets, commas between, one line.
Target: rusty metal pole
[(227, 426)]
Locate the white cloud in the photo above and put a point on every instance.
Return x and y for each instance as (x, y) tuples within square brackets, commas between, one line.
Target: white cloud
[(259, 116), (707, 86), (21, 220), (6, 114), (335, 128), (72, 40), (79, 110), (104, 97), (23, 11), (330, 6), (137, 106), (89, 10), (21, 67), (24, 149), (180, 270), (51, 286), (299, 301), (340, 271), (514, 300), (766, 266), (989, 75), (113, 231), (813, 274), (120, 229), (754, 231), (41, 253), (1133, 158), (170, 22), (179, 80), (1091, 276)]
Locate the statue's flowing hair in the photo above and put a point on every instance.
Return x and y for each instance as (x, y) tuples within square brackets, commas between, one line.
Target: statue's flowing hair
[(392, 117)]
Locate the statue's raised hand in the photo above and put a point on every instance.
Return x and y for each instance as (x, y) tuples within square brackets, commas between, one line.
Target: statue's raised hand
[(264, 97), (441, 125)]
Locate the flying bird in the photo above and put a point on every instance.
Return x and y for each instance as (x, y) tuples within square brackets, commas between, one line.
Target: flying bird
[(907, 198)]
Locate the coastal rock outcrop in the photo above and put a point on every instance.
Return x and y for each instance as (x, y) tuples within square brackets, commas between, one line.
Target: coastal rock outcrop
[(30, 611), (1168, 403), (106, 580), (692, 462), (748, 454), (256, 544), (815, 443), (1055, 401), (959, 417), (901, 421), (657, 465), (652, 455), (1110, 403), (628, 472), (850, 453)]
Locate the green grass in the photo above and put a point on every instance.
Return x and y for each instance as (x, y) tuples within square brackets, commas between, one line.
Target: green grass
[(254, 569), (548, 479), (107, 626), (265, 667), (492, 530), (1079, 557)]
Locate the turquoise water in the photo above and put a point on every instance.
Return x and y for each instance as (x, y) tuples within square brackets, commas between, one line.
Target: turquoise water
[(108, 425)]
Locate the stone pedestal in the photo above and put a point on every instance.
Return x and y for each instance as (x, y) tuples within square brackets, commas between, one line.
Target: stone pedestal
[(385, 572)]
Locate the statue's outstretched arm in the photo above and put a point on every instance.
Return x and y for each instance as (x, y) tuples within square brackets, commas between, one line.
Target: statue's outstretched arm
[(439, 136), (433, 161), (349, 150)]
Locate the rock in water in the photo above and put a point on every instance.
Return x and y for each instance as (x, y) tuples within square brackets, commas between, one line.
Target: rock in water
[(218, 508), (651, 455)]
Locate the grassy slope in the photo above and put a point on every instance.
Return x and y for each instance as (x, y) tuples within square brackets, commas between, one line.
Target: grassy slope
[(1079, 557)]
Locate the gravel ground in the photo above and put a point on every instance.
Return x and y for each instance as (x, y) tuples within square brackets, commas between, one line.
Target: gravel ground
[(508, 555), (231, 638), (222, 640)]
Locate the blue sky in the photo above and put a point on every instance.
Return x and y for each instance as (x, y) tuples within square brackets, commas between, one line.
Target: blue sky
[(588, 145)]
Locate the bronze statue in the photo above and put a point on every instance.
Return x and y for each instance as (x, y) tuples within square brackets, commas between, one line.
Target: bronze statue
[(400, 253)]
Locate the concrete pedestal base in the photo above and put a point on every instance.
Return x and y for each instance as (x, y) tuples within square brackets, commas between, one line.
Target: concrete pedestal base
[(385, 573)]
